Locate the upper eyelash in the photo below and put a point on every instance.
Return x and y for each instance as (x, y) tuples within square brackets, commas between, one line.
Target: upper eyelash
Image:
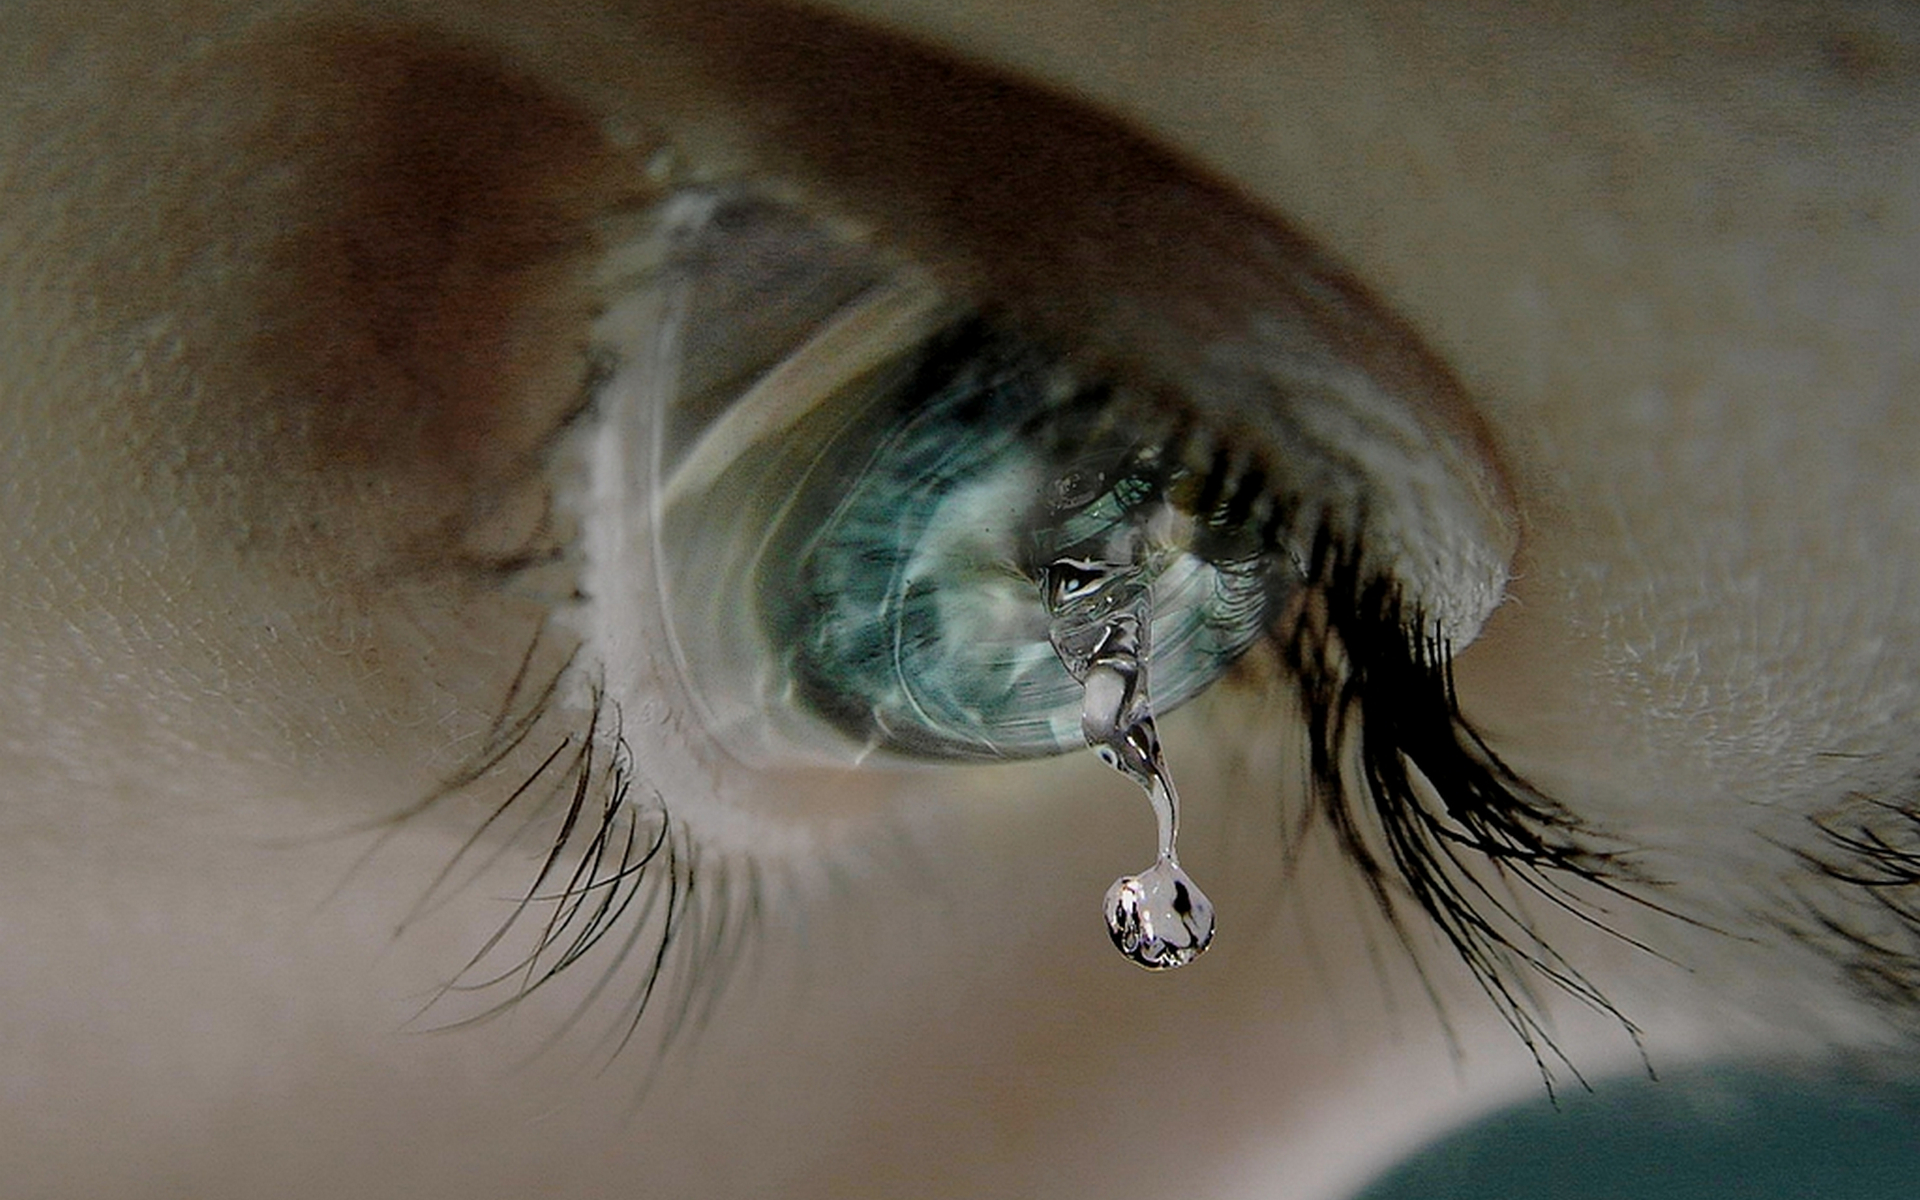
[(1387, 741), (1871, 849)]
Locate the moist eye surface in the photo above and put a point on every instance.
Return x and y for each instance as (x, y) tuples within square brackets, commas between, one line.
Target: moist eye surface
[(873, 537)]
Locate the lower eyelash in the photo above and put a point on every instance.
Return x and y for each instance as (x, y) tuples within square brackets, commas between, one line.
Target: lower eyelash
[(1401, 780), (619, 881)]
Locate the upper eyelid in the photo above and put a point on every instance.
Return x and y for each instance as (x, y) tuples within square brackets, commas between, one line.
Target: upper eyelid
[(1016, 197)]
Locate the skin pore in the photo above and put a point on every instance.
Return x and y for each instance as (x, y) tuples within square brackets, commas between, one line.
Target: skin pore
[(296, 297)]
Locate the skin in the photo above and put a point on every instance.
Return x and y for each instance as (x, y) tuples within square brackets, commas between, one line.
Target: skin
[(293, 299)]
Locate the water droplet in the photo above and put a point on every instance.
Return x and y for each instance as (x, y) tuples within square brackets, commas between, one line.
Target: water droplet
[(1099, 619), (1158, 918)]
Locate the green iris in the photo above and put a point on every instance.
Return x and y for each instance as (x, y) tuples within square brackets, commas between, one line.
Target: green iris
[(912, 618)]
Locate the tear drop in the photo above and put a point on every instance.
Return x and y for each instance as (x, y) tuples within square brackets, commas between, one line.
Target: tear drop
[(1099, 620), (1158, 918)]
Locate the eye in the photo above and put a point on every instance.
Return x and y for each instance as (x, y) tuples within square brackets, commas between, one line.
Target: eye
[(889, 345), (902, 486)]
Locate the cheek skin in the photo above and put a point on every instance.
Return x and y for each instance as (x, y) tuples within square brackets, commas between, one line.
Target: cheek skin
[(1695, 335)]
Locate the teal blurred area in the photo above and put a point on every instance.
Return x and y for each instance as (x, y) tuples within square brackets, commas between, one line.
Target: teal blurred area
[(1719, 1134)]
